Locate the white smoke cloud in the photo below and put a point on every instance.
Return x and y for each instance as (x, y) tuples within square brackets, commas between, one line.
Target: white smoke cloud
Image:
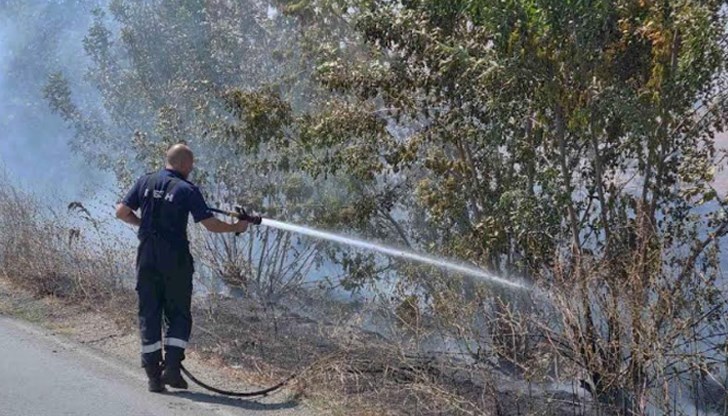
[(35, 39)]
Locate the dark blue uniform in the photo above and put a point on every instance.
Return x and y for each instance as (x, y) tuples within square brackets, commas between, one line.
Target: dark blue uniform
[(164, 263)]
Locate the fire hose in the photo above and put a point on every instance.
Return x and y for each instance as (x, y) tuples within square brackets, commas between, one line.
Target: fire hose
[(240, 214), (263, 392)]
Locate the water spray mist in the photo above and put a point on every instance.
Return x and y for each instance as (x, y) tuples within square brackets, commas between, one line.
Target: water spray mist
[(240, 214)]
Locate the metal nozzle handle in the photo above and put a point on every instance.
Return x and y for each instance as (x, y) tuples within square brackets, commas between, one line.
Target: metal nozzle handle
[(240, 214), (243, 216)]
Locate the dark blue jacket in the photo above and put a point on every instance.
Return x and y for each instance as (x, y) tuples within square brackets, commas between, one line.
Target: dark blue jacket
[(174, 198)]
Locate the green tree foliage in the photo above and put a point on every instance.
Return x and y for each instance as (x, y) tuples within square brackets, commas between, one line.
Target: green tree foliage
[(542, 106)]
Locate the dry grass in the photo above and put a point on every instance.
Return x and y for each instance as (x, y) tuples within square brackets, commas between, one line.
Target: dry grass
[(343, 368), (63, 255)]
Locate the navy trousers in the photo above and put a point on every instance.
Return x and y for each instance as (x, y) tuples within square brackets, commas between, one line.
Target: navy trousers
[(164, 287)]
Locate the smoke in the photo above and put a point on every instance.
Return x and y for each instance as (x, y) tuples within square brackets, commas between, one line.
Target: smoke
[(38, 37)]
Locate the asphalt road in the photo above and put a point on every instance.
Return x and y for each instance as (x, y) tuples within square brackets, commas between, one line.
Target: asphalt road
[(45, 375)]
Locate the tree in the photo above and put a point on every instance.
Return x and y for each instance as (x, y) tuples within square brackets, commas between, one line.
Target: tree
[(198, 72), (566, 141)]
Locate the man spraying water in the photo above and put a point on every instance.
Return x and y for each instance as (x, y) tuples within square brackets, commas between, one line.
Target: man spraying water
[(164, 264)]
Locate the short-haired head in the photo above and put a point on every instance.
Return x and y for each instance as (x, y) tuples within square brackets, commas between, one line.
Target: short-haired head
[(181, 159)]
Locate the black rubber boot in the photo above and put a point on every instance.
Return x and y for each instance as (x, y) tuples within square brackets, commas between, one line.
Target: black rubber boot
[(172, 376), (154, 374)]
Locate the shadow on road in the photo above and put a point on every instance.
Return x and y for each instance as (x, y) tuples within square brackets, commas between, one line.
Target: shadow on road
[(234, 402)]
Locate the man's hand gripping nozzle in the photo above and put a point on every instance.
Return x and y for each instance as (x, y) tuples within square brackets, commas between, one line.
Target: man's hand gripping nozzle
[(240, 214)]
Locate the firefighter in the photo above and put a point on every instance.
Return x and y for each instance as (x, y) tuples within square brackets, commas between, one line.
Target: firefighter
[(164, 264)]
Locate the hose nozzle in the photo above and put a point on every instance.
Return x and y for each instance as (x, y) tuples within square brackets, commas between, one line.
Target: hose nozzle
[(243, 216), (240, 214)]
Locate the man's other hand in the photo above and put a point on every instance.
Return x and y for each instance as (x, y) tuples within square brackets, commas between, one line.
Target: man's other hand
[(216, 226), (241, 226), (126, 214)]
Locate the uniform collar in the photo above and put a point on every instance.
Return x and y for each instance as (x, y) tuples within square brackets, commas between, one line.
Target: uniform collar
[(174, 173)]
